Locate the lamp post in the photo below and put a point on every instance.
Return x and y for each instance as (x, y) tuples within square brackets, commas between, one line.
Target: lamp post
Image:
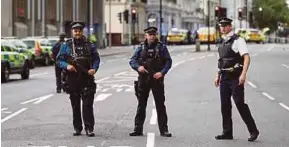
[(261, 11)]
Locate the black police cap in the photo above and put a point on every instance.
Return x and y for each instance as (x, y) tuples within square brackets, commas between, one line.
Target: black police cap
[(77, 25), (225, 20), (151, 30)]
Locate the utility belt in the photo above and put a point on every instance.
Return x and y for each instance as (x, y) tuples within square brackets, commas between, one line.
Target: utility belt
[(236, 67)]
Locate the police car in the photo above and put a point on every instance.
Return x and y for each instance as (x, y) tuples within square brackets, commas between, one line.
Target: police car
[(42, 49), (13, 62)]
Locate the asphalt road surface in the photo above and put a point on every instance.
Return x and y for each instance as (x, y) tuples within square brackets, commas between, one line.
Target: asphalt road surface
[(34, 115)]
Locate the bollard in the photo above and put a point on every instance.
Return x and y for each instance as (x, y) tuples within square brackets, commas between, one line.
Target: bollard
[(198, 45)]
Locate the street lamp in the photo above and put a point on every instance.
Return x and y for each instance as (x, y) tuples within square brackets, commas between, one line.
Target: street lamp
[(260, 9)]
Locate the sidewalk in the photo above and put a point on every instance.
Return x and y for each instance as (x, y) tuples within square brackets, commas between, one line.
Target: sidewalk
[(117, 50)]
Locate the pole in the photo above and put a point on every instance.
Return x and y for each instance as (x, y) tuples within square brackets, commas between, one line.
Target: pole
[(209, 25), (33, 19), (61, 15), (109, 43), (129, 23), (161, 18), (88, 18), (43, 18)]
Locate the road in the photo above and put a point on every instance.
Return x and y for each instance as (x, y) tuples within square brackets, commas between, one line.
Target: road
[(34, 115)]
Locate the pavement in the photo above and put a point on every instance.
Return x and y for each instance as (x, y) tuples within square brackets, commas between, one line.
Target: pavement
[(34, 115)]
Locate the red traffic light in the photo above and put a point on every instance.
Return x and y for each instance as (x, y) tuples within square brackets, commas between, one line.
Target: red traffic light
[(133, 10), (217, 8), (240, 9)]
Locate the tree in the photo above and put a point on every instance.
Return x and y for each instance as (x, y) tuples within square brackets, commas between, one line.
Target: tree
[(268, 13)]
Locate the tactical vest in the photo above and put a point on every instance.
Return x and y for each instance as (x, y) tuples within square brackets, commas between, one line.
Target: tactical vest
[(81, 52), (228, 58), (151, 58)]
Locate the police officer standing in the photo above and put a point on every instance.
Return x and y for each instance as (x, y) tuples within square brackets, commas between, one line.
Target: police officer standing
[(58, 71), (233, 63), (81, 59), (152, 61)]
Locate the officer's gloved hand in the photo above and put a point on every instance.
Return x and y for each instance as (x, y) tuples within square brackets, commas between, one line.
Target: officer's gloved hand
[(91, 72), (141, 69), (158, 75), (71, 68)]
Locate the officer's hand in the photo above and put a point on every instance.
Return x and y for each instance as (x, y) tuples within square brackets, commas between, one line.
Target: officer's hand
[(158, 75), (217, 81), (242, 79), (71, 68), (91, 72), (141, 69)]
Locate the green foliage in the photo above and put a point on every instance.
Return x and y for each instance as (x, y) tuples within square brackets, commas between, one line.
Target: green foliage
[(273, 11)]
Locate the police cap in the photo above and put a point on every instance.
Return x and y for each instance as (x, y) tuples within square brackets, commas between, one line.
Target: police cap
[(225, 21), (61, 34), (77, 25), (151, 30)]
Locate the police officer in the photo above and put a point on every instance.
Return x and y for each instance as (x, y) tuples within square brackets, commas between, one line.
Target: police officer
[(233, 65), (80, 77), (152, 61), (58, 71)]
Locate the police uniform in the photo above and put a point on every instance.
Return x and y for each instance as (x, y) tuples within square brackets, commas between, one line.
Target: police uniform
[(231, 52), (58, 70), (155, 58), (81, 85)]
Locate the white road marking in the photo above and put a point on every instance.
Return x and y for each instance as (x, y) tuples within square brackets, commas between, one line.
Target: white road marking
[(191, 59), (102, 79), (284, 106), (4, 109), (202, 57), (254, 54), (251, 84), (121, 73), (210, 55), (128, 90), (13, 114), (286, 66), (38, 100), (268, 96), (270, 48), (120, 146), (151, 140), (104, 90), (178, 63), (102, 97), (153, 120), (185, 53), (62, 146), (90, 146), (118, 90), (38, 74)]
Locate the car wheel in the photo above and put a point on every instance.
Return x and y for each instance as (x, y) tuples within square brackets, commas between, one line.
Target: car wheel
[(25, 72), (32, 63), (5, 74)]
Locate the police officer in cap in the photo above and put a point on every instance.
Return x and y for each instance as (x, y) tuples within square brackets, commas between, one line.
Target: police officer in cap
[(58, 71), (80, 58), (152, 61), (233, 65)]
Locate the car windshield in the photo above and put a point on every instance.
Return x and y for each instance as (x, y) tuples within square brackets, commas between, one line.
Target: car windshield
[(52, 41), (18, 44), (44, 43), (29, 43)]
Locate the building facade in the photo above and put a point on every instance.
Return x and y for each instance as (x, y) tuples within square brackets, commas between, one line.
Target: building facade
[(117, 27), (49, 17)]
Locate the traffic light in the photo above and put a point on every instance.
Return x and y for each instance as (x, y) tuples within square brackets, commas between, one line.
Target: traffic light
[(223, 12), (240, 13), (120, 17), (220, 12), (133, 15), (125, 15)]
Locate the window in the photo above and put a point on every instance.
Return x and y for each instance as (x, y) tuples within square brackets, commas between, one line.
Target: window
[(20, 8)]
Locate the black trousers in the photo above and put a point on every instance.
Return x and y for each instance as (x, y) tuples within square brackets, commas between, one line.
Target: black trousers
[(229, 87), (157, 87), (58, 72), (82, 89)]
